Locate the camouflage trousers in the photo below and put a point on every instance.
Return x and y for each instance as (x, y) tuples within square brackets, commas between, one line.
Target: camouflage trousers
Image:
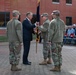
[(46, 50), (14, 52), (56, 53)]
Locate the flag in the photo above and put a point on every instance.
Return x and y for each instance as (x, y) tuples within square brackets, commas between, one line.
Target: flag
[(38, 11), (38, 20)]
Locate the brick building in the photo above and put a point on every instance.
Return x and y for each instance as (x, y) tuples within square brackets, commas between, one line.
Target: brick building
[(66, 7)]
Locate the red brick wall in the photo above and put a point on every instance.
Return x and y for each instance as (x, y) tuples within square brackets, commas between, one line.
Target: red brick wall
[(66, 10), (46, 6)]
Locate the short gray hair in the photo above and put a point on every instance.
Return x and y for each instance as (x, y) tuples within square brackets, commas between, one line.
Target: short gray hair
[(28, 13), (15, 13)]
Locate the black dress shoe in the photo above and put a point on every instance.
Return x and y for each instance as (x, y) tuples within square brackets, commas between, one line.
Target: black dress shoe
[(27, 63)]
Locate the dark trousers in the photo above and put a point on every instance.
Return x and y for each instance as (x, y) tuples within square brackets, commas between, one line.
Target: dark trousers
[(40, 40), (26, 45)]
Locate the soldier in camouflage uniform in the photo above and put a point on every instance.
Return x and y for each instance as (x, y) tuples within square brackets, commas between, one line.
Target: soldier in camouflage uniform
[(56, 31), (14, 34), (44, 34)]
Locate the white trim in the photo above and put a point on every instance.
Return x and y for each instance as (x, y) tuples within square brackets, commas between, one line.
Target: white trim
[(68, 4), (2, 28), (56, 2)]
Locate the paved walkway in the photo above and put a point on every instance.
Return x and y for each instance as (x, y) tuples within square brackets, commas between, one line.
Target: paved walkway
[(68, 67)]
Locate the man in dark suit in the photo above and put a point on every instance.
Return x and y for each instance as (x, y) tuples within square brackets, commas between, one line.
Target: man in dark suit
[(27, 36)]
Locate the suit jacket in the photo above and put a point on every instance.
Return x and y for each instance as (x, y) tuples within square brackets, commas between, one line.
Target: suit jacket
[(14, 31), (44, 29), (27, 29)]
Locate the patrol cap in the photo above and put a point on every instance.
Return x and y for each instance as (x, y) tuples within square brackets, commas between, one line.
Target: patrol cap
[(45, 14), (56, 12), (15, 13)]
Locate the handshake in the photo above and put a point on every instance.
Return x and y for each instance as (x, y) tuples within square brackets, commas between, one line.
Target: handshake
[(37, 24)]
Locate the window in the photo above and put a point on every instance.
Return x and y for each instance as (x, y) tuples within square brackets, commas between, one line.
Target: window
[(55, 0), (68, 20), (4, 18), (69, 1)]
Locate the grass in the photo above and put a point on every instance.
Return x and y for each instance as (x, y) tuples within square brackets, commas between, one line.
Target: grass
[(3, 39)]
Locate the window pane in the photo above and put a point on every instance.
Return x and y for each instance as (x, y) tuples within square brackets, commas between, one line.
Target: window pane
[(68, 20), (69, 1), (4, 18), (55, 0)]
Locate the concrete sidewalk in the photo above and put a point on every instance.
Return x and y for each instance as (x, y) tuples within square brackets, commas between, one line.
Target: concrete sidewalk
[(68, 67)]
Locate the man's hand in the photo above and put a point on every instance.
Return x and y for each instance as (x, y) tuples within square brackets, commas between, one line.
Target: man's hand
[(37, 24)]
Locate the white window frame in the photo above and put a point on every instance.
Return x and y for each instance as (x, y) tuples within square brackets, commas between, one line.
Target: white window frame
[(55, 2)]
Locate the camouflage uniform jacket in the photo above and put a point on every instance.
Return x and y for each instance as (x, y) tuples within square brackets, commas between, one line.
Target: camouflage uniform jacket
[(44, 29), (14, 31), (56, 30)]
